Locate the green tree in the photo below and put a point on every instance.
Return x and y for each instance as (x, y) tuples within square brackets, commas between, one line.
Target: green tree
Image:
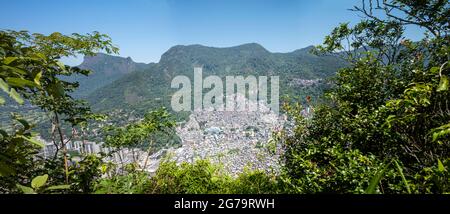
[(139, 135), (388, 111), (30, 71)]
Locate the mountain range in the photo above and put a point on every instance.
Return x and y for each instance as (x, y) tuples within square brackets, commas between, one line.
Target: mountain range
[(118, 82)]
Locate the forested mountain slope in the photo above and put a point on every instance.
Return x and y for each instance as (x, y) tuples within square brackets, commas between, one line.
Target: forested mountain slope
[(151, 87)]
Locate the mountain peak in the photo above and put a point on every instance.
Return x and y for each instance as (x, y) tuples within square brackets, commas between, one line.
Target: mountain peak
[(193, 47), (106, 69), (304, 50), (196, 52), (103, 58), (251, 46), (143, 89)]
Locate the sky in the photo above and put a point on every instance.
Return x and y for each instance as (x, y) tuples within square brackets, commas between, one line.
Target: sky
[(144, 29)]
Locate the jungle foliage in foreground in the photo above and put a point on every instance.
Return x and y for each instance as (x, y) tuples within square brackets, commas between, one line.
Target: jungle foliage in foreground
[(384, 128)]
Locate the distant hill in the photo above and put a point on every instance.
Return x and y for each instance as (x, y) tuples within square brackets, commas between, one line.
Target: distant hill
[(149, 85), (105, 69), (120, 83)]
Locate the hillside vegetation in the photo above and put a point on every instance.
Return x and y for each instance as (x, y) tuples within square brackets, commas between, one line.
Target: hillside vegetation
[(383, 126), (150, 88)]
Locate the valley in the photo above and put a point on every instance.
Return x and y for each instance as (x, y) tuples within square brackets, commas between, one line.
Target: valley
[(124, 90)]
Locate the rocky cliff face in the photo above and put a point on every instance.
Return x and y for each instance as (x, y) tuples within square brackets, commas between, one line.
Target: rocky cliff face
[(105, 70), (111, 65)]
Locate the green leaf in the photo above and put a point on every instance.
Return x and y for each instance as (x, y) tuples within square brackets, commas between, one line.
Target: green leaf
[(13, 69), (4, 86), (16, 96), (400, 170), (24, 123), (371, 189), (56, 90), (435, 136), (434, 70), (37, 78), (440, 166), (61, 65), (440, 132), (25, 189), (39, 181), (58, 187), (19, 82), (33, 141), (8, 60), (443, 84), (41, 56), (2, 101)]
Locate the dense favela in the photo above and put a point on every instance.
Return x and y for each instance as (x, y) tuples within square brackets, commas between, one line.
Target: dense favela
[(303, 97)]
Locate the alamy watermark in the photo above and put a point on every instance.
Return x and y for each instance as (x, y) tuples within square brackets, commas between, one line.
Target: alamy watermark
[(241, 93)]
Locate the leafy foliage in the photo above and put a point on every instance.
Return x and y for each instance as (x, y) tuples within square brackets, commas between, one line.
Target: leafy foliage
[(37, 186), (383, 127), (30, 70), (200, 177), (150, 88), (387, 114)]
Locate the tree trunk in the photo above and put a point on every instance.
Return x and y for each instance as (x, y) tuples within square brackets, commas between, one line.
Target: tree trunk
[(63, 145), (148, 154)]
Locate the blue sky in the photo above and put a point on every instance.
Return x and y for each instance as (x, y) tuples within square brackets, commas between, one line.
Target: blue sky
[(144, 30)]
